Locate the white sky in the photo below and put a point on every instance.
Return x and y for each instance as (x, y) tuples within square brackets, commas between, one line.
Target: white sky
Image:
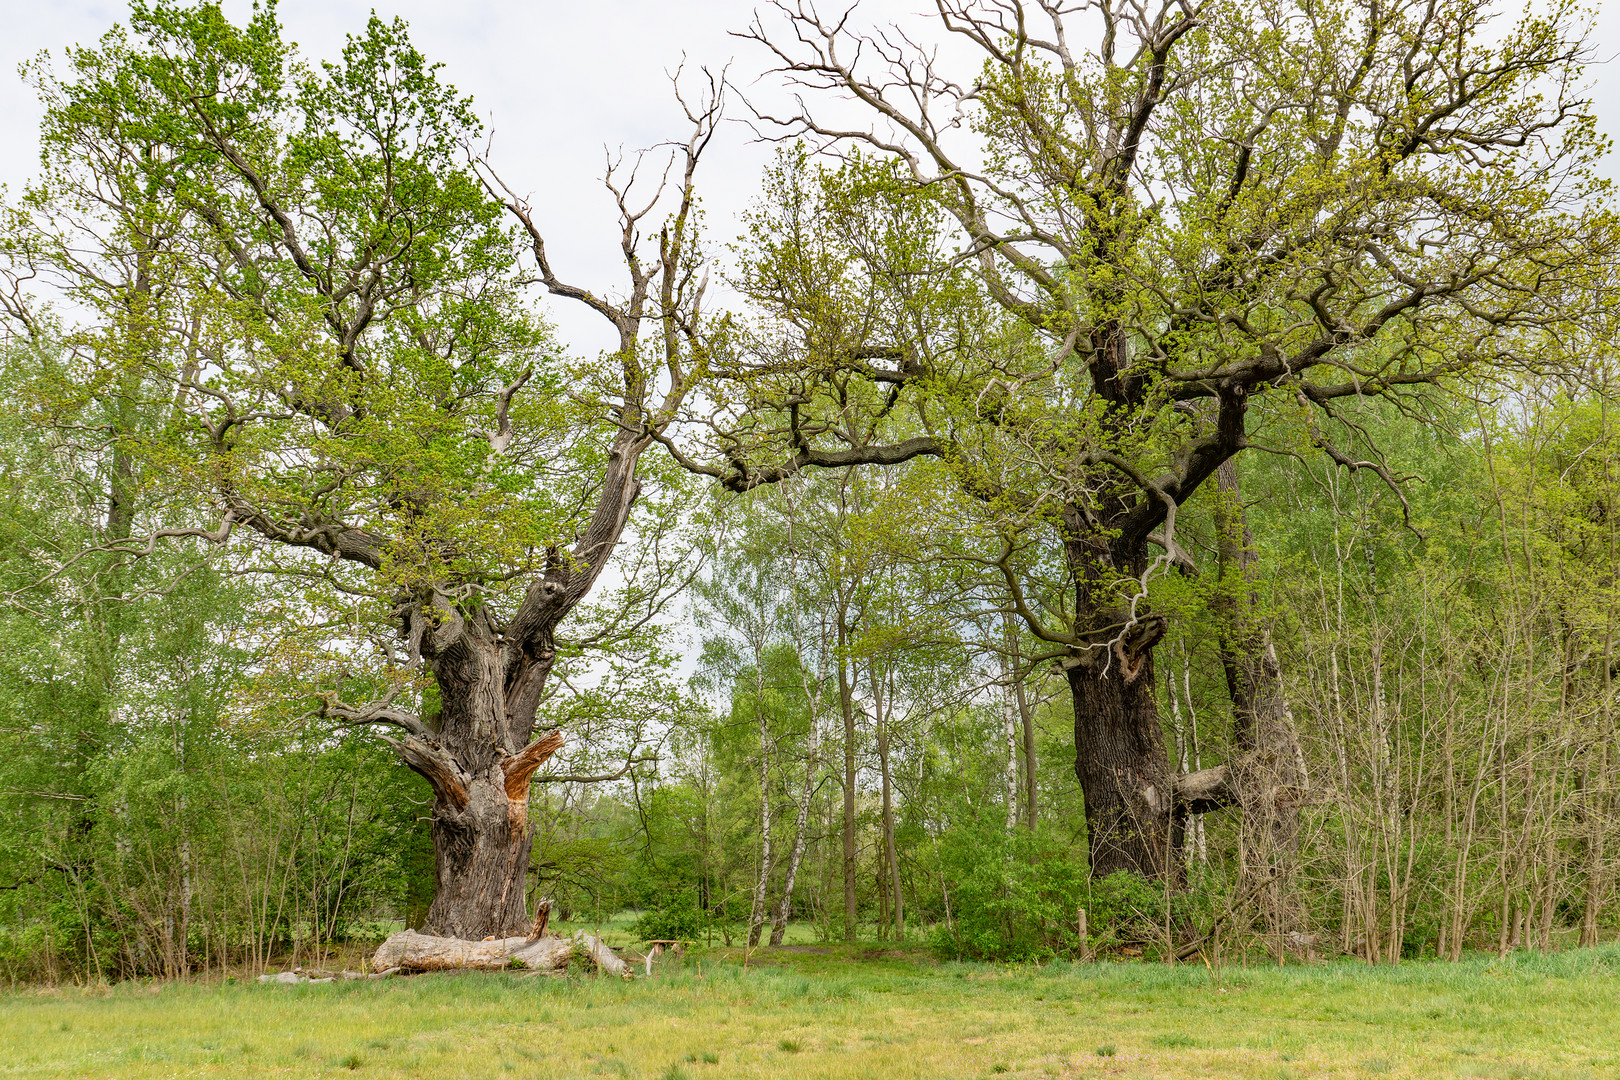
[(556, 81)]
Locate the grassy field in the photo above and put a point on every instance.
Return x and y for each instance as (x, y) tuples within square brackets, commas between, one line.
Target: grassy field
[(851, 1013)]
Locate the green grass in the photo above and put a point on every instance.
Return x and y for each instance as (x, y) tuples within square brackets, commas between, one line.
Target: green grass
[(619, 929), (839, 1012)]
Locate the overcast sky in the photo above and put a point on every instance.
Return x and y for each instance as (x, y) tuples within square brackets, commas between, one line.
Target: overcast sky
[(556, 81)]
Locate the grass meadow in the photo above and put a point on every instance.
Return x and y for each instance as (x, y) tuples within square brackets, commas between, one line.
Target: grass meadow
[(841, 1012)]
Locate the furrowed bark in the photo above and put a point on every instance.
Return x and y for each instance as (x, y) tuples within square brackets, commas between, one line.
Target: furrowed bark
[(1122, 765), (480, 825)]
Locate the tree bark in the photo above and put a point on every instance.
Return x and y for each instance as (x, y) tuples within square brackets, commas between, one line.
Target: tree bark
[(882, 705), (1597, 794), (410, 951), (1009, 723), (1121, 762), (1269, 773), (481, 863), (1124, 769), (801, 824), (846, 703), (1028, 720), (756, 914), (480, 829), (1017, 704)]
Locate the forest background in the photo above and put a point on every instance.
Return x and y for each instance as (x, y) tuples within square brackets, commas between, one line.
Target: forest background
[(774, 665)]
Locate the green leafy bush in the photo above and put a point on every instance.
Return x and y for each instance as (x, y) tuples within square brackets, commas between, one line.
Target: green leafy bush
[(676, 923), (1017, 896), (1013, 896)]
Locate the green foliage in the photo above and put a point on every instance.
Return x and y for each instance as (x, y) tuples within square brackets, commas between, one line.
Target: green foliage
[(1013, 896), (677, 922), (287, 304)]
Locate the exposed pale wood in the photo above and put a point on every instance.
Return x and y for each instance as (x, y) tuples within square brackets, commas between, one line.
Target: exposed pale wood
[(520, 766), (423, 952), (1205, 790), (605, 958), (411, 951)]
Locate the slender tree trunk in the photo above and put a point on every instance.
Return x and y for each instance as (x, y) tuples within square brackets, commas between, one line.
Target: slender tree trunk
[(1009, 723), (1028, 722), (881, 708), (756, 914), (1013, 680), (1597, 796), (846, 703), (1269, 774), (801, 826)]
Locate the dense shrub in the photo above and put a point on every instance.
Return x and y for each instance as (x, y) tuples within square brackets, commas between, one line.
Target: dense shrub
[(674, 923)]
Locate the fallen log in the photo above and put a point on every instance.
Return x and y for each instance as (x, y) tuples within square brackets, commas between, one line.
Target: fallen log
[(317, 975), (411, 951)]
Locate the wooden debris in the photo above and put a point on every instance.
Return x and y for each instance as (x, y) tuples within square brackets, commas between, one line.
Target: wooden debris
[(319, 975), (542, 915)]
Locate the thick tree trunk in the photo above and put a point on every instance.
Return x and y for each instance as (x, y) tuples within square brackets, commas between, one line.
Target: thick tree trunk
[(481, 859), (1120, 759), (480, 824)]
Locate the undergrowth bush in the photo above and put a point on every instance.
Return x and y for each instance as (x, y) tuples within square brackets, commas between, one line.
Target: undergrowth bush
[(675, 923), (1017, 896)]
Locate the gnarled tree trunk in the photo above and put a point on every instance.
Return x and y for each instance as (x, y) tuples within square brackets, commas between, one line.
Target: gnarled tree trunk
[(480, 825), (1120, 757), (479, 753)]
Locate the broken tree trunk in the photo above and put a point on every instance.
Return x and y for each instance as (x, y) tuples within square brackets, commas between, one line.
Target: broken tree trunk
[(411, 951)]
